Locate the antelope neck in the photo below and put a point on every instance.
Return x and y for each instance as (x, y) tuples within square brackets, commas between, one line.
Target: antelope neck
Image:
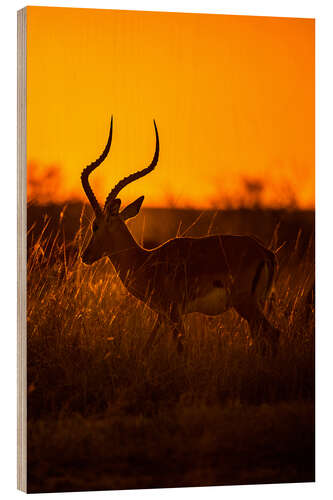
[(126, 254)]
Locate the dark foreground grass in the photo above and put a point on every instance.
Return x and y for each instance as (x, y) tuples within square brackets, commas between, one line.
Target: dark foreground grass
[(102, 415), (188, 445)]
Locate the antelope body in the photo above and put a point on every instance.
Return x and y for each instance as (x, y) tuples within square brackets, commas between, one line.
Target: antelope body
[(208, 275)]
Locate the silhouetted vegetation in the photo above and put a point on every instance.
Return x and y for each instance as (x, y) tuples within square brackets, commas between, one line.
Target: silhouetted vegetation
[(101, 415)]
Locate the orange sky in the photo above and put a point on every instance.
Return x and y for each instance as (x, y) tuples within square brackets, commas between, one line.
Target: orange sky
[(232, 96)]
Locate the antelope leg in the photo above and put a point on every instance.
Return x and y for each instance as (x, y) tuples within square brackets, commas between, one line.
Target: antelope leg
[(153, 334), (178, 330), (262, 331)]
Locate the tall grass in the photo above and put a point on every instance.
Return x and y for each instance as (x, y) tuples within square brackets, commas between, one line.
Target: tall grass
[(87, 370)]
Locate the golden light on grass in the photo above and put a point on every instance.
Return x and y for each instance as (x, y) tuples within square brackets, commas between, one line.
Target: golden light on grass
[(104, 416), (233, 98)]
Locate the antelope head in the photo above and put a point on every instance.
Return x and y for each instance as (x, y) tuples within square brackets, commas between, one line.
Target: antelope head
[(108, 228)]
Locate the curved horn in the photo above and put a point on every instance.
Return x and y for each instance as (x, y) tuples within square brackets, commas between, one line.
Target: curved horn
[(87, 171), (133, 177)]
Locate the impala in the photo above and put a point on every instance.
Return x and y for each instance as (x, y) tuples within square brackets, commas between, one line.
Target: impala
[(209, 275)]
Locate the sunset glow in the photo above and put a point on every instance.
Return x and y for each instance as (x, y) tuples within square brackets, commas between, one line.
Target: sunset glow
[(232, 96)]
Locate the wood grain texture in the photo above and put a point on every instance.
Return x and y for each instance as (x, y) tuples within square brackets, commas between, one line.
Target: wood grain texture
[(21, 252)]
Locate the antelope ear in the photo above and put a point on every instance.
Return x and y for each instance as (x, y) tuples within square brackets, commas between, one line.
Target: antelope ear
[(132, 209), (112, 208)]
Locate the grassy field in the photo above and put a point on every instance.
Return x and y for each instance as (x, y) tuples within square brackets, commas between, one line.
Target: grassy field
[(102, 415)]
